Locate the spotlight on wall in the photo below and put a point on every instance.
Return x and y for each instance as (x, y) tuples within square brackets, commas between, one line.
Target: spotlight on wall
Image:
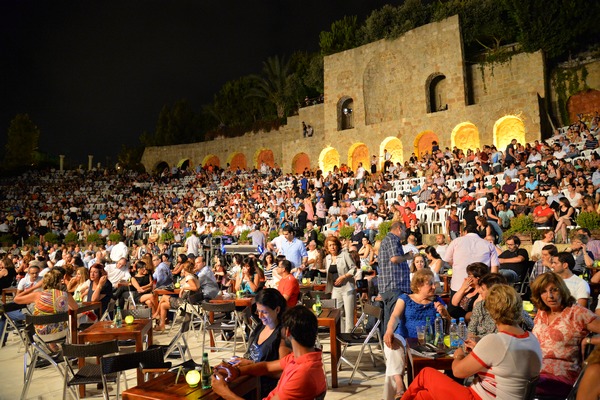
[(347, 111)]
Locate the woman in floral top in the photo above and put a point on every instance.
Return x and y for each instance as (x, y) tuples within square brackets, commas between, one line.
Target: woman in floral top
[(560, 325)]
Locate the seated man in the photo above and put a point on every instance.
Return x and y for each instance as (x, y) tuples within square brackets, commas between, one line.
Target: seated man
[(288, 285), (513, 261), (302, 375), (543, 214), (562, 264)]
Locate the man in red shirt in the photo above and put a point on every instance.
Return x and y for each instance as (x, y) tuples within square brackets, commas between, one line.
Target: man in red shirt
[(302, 375), (288, 285), (543, 214)]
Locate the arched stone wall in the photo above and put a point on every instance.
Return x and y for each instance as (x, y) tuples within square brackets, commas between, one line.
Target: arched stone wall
[(379, 85), (300, 162), (394, 146), (211, 159), (359, 152), (586, 102), (435, 92), (328, 159), (237, 160), (422, 143), (264, 155), (184, 164), (508, 128), (465, 136), (160, 166)]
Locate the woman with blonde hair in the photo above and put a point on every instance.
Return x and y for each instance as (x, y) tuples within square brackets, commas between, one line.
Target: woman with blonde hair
[(340, 278), (189, 285)]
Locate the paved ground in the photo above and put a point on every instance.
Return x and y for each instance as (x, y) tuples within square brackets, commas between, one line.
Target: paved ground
[(47, 383)]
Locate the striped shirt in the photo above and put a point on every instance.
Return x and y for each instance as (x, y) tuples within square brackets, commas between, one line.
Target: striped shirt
[(392, 276)]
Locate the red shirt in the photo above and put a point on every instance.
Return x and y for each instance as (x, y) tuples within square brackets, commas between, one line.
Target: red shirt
[(289, 286), (302, 377), (539, 211)]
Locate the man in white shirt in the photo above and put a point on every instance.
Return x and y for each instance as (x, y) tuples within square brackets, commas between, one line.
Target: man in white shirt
[(410, 246), (192, 244), (31, 279), (119, 251), (562, 264), (117, 272)]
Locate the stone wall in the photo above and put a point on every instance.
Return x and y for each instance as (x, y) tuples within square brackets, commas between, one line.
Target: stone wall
[(391, 85)]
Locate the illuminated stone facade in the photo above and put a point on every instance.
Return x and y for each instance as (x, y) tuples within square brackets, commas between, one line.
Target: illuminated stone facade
[(395, 95)]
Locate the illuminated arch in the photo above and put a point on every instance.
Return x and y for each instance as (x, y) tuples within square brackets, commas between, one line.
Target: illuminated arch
[(394, 146), (359, 152), (264, 155), (422, 143), (465, 136), (211, 159), (160, 166), (507, 128), (236, 160), (328, 159), (184, 164), (300, 162)]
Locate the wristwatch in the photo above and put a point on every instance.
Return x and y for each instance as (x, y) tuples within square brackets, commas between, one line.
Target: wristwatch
[(588, 340)]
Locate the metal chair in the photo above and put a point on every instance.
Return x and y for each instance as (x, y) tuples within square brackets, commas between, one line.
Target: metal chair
[(15, 326), (178, 347), (221, 325), (117, 364), (89, 373), (530, 388), (37, 349), (360, 337)]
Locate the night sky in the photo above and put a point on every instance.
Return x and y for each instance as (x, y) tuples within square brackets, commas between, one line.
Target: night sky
[(93, 75)]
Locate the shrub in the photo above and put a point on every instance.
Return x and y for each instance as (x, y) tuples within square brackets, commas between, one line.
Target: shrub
[(94, 238), (7, 238), (167, 236), (346, 232), (32, 240), (71, 238), (51, 238), (523, 224), (273, 234), (244, 236), (114, 237), (589, 220), (384, 229)]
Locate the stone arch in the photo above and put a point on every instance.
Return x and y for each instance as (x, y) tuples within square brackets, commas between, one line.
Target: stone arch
[(184, 164), (423, 141), (300, 162), (508, 128), (465, 136), (395, 147), (160, 166), (211, 160), (345, 112), (436, 92), (328, 159), (237, 160), (264, 155), (585, 102), (359, 152)]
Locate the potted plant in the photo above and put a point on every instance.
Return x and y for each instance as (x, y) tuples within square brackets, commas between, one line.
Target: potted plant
[(346, 232), (591, 221), (384, 229), (114, 237), (524, 228), (51, 238), (71, 238), (166, 237), (94, 238), (244, 237)]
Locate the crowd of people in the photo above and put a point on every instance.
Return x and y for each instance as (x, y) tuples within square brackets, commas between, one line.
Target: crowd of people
[(158, 232)]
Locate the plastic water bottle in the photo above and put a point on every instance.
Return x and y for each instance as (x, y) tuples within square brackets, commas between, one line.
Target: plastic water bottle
[(428, 331), (438, 326), (118, 321), (454, 342), (463, 333), (318, 306), (205, 372)]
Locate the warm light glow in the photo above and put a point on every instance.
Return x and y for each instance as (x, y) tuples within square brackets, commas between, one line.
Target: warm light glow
[(465, 136), (192, 378), (394, 146), (422, 143), (508, 128), (359, 152), (328, 159), (129, 319)]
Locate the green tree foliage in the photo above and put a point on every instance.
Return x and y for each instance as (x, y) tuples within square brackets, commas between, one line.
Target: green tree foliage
[(313, 79), (176, 125), (277, 85), (390, 22), (343, 36), (130, 157), (22, 143), (555, 26)]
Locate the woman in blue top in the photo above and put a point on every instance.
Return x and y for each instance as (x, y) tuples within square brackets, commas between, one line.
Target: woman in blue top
[(411, 310), (248, 279)]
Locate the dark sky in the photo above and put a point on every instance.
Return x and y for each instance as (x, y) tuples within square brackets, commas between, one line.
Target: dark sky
[(95, 74)]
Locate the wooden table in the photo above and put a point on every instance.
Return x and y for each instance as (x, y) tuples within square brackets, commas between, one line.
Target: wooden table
[(160, 292), (417, 363), (330, 318), (74, 316), (101, 331), (163, 387), (239, 302), (11, 291)]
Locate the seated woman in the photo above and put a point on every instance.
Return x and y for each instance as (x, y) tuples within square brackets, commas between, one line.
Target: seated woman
[(560, 325), (265, 342), (52, 299), (366, 253), (143, 284), (564, 218), (461, 304), (503, 361), (99, 289), (482, 323), (248, 279), (419, 263), (188, 285), (410, 311), (79, 282)]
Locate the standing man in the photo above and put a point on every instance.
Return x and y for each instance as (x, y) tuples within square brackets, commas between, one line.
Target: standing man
[(294, 250), (393, 273), (258, 238), (468, 249), (192, 244)]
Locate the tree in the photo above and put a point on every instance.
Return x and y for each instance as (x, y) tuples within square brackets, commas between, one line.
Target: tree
[(390, 22), (176, 125), (343, 36), (276, 86), (22, 144)]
